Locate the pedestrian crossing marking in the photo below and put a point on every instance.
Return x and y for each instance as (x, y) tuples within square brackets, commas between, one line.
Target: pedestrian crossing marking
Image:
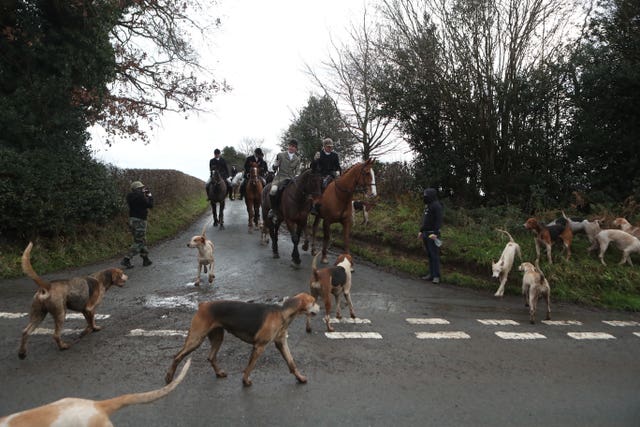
[(356, 321), (621, 323), (156, 333), (346, 335), (562, 322), (455, 335), (637, 334), (591, 336), (520, 335), (427, 321), (498, 322), (49, 331), (6, 315)]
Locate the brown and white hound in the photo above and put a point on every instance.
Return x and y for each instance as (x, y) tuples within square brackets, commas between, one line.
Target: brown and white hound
[(84, 412), (82, 294), (548, 234), (253, 323), (334, 281)]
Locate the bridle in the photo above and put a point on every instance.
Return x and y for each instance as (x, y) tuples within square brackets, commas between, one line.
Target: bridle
[(360, 179)]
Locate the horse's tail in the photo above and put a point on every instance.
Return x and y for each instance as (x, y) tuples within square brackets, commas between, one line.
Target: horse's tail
[(29, 271)]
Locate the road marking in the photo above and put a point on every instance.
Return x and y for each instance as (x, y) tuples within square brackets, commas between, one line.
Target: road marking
[(47, 331), (637, 334), (520, 335), (6, 315), (590, 336), (562, 322), (158, 333), (498, 322), (349, 335), (621, 323), (356, 321), (456, 335), (427, 321)]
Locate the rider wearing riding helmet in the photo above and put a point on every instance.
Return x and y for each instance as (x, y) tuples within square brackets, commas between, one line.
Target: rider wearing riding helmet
[(257, 157), (327, 164), (219, 164), (287, 165)]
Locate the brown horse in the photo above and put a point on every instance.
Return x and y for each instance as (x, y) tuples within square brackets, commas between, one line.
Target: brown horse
[(296, 200), (217, 195), (253, 197), (335, 203)]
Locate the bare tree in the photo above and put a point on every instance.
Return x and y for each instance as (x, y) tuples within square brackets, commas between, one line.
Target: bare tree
[(157, 68), (351, 70)]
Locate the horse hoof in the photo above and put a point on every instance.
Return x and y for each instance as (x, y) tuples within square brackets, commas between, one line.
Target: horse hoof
[(305, 247), (276, 256), (221, 227)]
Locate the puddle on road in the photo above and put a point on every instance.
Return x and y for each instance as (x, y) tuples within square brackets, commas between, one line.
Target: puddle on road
[(168, 299)]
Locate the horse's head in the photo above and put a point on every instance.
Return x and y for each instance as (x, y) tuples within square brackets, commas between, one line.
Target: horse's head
[(254, 171), (367, 178), (215, 175)]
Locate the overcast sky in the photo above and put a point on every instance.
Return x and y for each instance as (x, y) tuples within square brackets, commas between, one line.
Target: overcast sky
[(260, 50)]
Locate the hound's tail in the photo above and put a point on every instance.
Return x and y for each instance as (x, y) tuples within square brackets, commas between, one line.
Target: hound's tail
[(28, 269), (507, 233), (314, 265), (112, 405)]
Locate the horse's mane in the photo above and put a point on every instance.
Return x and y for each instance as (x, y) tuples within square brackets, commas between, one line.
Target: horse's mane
[(351, 167)]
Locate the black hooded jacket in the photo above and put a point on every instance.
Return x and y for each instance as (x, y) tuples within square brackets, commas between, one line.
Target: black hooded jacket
[(433, 212)]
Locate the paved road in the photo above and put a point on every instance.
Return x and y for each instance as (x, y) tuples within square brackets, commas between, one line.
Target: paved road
[(420, 354)]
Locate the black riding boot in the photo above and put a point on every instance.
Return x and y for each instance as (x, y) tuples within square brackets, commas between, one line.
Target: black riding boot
[(146, 261)]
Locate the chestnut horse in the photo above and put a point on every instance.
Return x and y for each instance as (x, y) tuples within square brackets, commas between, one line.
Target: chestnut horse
[(296, 200), (253, 197), (335, 203), (217, 195)]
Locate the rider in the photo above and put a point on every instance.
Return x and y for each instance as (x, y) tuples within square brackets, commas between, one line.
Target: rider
[(327, 164), (219, 164), (287, 165), (257, 157)]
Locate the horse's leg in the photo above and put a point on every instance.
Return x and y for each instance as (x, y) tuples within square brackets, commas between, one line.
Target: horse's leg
[(214, 212), (273, 231), (326, 231), (222, 214), (295, 232), (346, 234), (314, 230), (249, 213)]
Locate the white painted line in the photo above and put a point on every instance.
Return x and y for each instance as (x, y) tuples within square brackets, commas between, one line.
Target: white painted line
[(427, 321), (4, 315), (47, 331), (590, 336), (442, 335), (562, 322), (158, 333), (12, 315), (637, 334), (349, 335), (520, 335), (621, 323), (498, 322), (356, 321)]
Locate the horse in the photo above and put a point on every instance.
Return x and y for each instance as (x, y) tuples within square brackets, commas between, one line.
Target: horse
[(253, 196), (233, 184), (336, 206), (217, 195), (296, 200)]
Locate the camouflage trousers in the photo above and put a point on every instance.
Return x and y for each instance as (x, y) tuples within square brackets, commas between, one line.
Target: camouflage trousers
[(138, 228)]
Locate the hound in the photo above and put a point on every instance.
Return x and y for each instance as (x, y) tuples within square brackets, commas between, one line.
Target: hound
[(625, 225), (626, 242), (547, 235), (534, 286), (205, 255), (360, 206), (502, 268), (82, 294), (331, 280), (84, 412), (590, 228), (256, 324)]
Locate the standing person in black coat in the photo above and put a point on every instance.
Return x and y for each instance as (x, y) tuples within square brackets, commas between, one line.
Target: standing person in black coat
[(219, 164), (430, 232), (140, 201)]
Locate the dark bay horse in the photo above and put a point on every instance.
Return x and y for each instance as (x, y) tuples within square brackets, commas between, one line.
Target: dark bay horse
[(335, 203), (217, 194), (295, 203), (253, 197)]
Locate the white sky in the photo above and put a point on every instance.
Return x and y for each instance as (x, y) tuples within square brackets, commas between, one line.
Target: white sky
[(260, 50)]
